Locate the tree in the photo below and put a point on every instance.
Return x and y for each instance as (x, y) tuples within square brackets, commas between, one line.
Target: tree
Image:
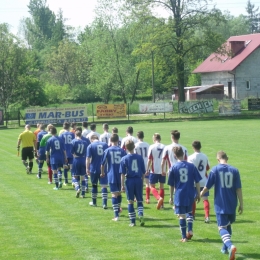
[(185, 18), (253, 17)]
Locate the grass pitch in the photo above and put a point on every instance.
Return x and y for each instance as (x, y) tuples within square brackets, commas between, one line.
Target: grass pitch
[(40, 223)]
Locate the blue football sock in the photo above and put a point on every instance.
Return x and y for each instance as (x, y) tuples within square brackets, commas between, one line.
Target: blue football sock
[(104, 195), (225, 236), (183, 227), (140, 209), (131, 213), (66, 175), (83, 187), (94, 193), (190, 221), (115, 206)]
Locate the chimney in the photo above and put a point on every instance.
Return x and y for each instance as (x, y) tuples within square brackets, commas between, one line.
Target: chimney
[(236, 47)]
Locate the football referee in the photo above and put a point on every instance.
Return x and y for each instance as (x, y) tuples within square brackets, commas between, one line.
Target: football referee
[(28, 140)]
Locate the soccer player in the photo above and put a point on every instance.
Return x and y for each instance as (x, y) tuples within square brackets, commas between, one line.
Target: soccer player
[(168, 158), (56, 150), (154, 169), (93, 131), (129, 136), (28, 140), (67, 136), (42, 151), (132, 171), (142, 149), (86, 131), (227, 191), (78, 149), (115, 131), (41, 158), (111, 160), (93, 163), (38, 129), (182, 176), (73, 127), (106, 135), (200, 160)]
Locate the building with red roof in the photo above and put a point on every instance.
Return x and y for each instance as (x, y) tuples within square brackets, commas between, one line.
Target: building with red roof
[(238, 71)]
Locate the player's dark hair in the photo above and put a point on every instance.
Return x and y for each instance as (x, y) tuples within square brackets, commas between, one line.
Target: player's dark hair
[(85, 124), (105, 126), (130, 145), (175, 134), (129, 130), (78, 128), (66, 125), (157, 137), (92, 126), (78, 133), (53, 131), (140, 135), (222, 155), (196, 145), (73, 124), (114, 138), (115, 130), (178, 151)]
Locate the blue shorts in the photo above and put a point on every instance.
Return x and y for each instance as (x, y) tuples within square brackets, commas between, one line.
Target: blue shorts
[(79, 166), (115, 187), (56, 166), (182, 209), (95, 178), (205, 194), (134, 189), (155, 178), (225, 219), (42, 155), (147, 176), (70, 160)]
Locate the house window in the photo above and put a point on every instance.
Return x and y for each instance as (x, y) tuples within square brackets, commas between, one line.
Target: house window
[(248, 85)]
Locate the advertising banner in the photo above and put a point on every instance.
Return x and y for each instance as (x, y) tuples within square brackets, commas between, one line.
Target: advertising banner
[(55, 115), (156, 107), (192, 107), (230, 107), (111, 110)]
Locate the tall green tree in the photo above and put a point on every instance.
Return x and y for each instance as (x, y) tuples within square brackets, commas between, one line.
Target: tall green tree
[(253, 17), (185, 18)]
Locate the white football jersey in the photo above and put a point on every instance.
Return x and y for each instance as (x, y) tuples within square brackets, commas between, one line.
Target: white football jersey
[(118, 144), (155, 155), (142, 149), (129, 137), (168, 154), (92, 133), (85, 132), (105, 137), (200, 160)]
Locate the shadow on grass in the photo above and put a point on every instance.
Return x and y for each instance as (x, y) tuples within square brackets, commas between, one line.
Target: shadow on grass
[(217, 240)]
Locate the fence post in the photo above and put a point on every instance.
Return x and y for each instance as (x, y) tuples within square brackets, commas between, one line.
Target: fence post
[(92, 112), (19, 118), (128, 110)]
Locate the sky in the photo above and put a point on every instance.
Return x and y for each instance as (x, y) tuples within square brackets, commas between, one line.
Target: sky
[(81, 12)]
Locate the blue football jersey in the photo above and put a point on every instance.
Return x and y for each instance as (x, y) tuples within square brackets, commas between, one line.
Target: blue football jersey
[(40, 135), (67, 139), (79, 147), (132, 165), (56, 148), (95, 151), (182, 176), (112, 157), (226, 179)]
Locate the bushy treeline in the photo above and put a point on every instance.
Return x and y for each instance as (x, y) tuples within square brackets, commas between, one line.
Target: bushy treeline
[(127, 53)]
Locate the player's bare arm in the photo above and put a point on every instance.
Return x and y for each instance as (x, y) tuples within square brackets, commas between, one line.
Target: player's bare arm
[(198, 192), (240, 199)]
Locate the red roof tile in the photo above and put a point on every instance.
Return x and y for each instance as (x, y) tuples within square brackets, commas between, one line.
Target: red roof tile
[(225, 63)]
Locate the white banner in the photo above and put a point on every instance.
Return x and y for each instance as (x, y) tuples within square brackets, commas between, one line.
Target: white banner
[(191, 107), (156, 107), (55, 115)]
